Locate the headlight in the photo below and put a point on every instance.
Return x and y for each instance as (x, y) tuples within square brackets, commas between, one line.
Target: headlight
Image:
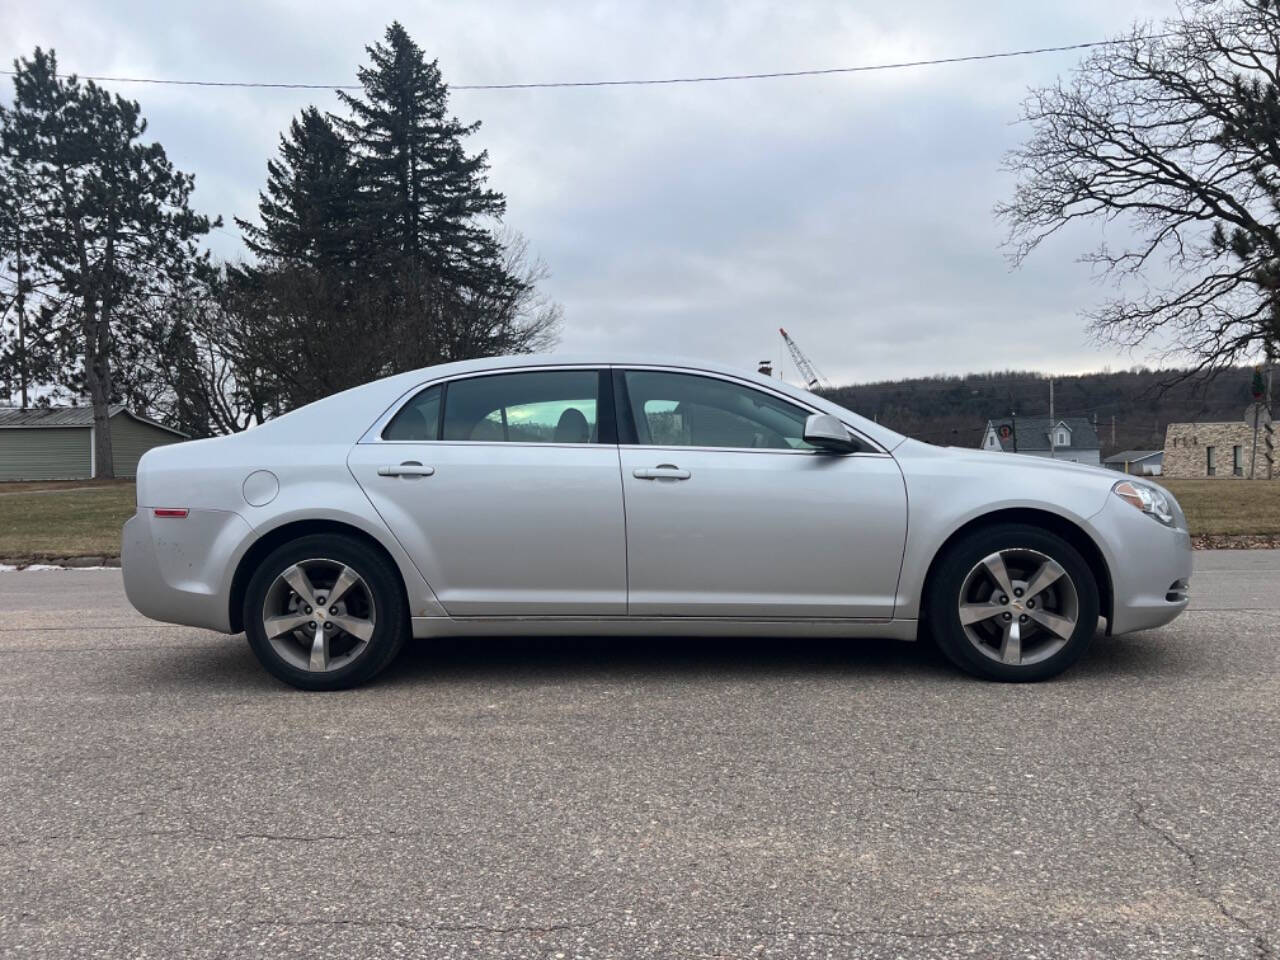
[(1149, 500)]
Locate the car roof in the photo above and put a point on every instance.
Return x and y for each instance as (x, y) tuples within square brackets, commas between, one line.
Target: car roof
[(366, 403)]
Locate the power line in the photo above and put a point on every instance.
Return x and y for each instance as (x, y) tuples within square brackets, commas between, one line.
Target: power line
[(641, 82)]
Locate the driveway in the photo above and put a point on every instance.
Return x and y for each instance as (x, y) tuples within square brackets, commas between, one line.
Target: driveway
[(164, 797)]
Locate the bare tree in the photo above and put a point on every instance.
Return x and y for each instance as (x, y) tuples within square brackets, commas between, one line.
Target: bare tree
[(1173, 132), (206, 384), (299, 333), (503, 319)]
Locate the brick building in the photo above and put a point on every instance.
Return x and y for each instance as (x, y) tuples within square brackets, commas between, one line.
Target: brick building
[(1218, 450)]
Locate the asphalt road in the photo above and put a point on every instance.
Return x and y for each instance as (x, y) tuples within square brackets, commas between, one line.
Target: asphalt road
[(163, 797)]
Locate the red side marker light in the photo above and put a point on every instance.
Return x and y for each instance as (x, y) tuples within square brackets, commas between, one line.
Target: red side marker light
[(178, 512)]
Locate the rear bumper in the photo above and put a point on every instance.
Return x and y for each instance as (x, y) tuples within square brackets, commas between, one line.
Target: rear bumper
[(179, 570), (1151, 567)]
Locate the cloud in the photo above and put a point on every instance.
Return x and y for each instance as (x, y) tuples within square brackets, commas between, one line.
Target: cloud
[(854, 210)]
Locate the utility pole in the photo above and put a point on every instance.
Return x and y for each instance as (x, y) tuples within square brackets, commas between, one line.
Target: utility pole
[(1113, 430), (1260, 395), (1253, 457), (1053, 427), (22, 316), (1270, 443)]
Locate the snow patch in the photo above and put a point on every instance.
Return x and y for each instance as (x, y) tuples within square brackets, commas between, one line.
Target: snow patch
[(44, 568)]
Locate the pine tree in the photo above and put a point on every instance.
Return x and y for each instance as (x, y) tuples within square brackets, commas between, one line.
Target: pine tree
[(377, 253), (113, 223), (425, 197), (27, 351), (310, 209)]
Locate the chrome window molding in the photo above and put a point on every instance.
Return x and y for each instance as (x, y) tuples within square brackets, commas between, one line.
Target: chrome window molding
[(374, 433), (875, 448), (494, 443), (777, 450)]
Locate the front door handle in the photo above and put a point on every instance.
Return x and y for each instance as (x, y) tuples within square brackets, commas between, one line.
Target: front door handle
[(410, 468), (663, 471)]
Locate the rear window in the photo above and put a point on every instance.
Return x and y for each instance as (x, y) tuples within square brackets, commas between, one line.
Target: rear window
[(418, 420)]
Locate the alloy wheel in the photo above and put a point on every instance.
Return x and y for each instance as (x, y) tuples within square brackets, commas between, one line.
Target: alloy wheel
[(319, 615), (1018, 606)]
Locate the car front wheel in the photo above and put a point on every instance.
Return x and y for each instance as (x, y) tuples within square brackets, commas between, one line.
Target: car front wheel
[(1013, 602), (325, 612)]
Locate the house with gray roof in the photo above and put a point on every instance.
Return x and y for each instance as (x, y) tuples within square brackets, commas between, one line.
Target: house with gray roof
[(56, 443), (1067, 438), (1143, 463)]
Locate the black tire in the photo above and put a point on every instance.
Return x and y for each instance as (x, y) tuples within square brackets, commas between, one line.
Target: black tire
[(391, 624), (943, 596)]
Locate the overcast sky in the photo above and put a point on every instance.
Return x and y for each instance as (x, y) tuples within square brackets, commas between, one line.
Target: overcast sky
[(695, 219)]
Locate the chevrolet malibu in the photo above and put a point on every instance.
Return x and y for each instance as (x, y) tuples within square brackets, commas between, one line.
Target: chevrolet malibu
[(528, 495)]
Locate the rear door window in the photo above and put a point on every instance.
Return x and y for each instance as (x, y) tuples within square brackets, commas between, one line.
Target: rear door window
[(552, 406)]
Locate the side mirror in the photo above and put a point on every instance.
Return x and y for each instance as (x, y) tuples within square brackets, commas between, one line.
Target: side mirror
[(827, 433)]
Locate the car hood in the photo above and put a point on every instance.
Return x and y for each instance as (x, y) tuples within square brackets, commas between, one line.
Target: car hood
[(1005, 469), (1020, 461)]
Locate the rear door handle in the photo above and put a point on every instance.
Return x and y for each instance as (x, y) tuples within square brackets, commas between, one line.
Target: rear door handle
[(663, 471), (410, 468)]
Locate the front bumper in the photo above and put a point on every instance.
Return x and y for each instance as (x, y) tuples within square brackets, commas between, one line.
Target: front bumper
[(179, 569), (1150, 563)]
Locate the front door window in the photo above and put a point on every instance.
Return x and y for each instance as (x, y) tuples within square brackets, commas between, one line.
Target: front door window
[(686, 410)]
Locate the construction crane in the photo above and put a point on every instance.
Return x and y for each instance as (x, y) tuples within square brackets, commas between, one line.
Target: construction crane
[(812, 378)]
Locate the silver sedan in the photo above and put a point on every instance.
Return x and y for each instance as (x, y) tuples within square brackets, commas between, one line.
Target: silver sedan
[(540, 495)]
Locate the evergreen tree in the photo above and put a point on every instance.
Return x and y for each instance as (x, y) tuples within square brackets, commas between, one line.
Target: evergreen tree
[(425, 198), (377, 254), (112, 223), (27, 350), (310, 210)]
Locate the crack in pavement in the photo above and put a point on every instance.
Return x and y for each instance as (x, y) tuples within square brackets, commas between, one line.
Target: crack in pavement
[(432, 927), (979, 930), (942, 788), (1261, 945), (204, 835), (857, 932)]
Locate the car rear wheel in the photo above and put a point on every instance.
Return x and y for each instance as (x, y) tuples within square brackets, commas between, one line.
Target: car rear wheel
[(325, 612), (1013, 602)]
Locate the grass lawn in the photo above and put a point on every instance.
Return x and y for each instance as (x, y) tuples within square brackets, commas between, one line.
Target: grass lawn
[(85, 519), (1229, 507), (64, 522)]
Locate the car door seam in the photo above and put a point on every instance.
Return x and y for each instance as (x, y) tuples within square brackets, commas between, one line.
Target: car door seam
[(626, 533), (413, 561)]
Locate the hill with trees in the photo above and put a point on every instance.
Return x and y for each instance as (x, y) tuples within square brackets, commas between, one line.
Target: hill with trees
[(953, 410)]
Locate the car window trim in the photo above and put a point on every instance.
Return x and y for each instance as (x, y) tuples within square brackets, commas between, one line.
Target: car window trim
[(622, 408), (604, 404), (628, 432), (625, 422), (386, 421)]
